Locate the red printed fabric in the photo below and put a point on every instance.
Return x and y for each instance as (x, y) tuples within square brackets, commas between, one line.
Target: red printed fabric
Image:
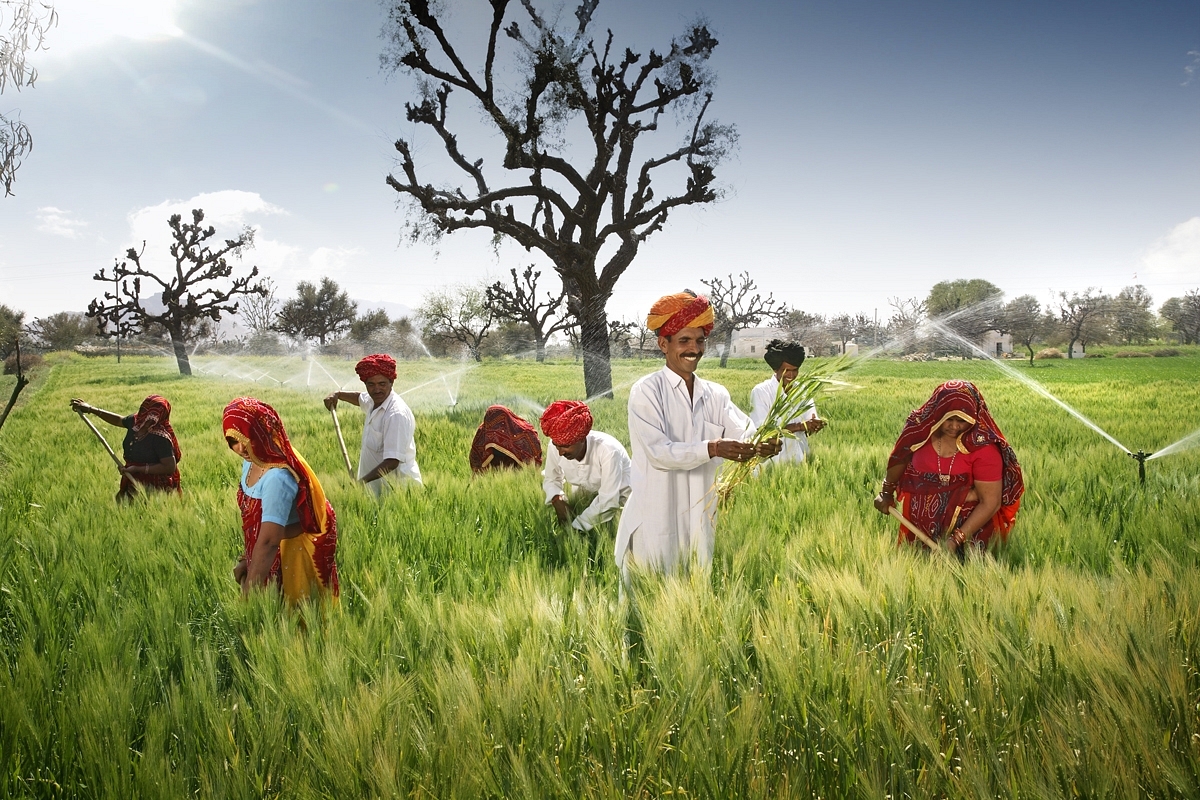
[(165, 483), (504, 439), (567, 422), (377, 364), (324, 546), (939, 508)]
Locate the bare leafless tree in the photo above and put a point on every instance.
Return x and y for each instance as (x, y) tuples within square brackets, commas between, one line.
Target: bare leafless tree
[(201, 287), (520, 304), (736, 308), (259, 311), (27, 22), (571, 200)]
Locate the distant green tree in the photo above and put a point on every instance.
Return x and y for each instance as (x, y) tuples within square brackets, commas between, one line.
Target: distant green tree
[(1131, 315), (968, 307), (320, 313), (10, 329), (1023, 319), (62, 331), (366, 326), (459, 314), (1183, 313), (1083, 318)]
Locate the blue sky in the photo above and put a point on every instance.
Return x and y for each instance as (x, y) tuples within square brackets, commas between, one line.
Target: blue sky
[(884, 147)]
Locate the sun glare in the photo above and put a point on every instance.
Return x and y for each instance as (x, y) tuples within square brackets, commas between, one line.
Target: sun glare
[(84, 24)]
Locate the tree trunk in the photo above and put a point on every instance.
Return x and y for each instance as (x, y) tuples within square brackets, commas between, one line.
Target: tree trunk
[(728, 347), (22, 382), (593, 338), (181, 353), (541, 349), (1029, 347)]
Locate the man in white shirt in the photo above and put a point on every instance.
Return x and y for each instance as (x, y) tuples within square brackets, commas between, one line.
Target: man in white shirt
[(588, 460), (680, 429), (785, 359), (388, 443)]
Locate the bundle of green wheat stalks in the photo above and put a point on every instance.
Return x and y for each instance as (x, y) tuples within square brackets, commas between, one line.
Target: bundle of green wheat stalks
[(789, 403)]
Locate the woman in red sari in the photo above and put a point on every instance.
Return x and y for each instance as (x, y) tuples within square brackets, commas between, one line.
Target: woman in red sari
[(288, 527), (504, 440), (150, 448), (956, 476)]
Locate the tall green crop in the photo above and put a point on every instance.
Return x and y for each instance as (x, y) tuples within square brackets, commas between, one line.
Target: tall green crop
[(478, 649)]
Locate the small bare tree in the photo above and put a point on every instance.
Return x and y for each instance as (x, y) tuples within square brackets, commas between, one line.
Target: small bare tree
[(202, 286), (259, 311), (521, 304), (460, 313), (907, 315), (1023, 319), (737, 309)]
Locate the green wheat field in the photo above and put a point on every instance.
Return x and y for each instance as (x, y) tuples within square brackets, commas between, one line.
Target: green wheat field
[(479, 651)]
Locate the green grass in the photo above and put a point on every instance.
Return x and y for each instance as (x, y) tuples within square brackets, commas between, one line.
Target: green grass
[(477, 650)]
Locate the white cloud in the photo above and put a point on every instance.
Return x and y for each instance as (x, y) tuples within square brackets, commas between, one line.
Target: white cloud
[(228, 211), (332, 261), (58, 222), (1173, 262), (83, 24)]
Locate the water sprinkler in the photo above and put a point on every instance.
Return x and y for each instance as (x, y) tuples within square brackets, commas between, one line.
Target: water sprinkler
[(1140, 456)]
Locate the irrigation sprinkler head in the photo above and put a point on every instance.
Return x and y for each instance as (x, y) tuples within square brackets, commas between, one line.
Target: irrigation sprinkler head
[(1140, 456)]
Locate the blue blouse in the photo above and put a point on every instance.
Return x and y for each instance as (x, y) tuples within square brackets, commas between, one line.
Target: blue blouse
[(277, 490)]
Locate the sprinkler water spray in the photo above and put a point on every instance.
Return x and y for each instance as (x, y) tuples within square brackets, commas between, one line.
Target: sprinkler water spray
[(1140, 456)]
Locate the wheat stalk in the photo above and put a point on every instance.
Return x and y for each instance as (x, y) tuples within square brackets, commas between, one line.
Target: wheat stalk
[(789, 403)]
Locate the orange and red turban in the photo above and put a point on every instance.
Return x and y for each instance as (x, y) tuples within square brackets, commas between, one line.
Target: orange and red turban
[(671, 314), (377, 364), (567, 422)]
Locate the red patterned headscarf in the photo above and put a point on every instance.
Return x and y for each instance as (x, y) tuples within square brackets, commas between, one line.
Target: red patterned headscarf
[(504, 433), (154, 417), (257, 426), (962, 399), (567, 422), (674, 312), (377, 364)]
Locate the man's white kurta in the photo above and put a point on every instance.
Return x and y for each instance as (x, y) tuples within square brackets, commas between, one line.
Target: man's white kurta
[(761, 398), (389, 432), (671, 513), (604, 470)]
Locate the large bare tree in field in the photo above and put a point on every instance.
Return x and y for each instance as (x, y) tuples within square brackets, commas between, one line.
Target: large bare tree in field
[(200, 287), (572, 181)]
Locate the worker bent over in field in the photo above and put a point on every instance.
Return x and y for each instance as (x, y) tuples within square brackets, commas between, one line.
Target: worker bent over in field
[(680, 429), (504, 441), (590, 461), (784, 359), (388, 443)]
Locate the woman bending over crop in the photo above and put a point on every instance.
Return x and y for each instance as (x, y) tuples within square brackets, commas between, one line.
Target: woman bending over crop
[(288, 526), (957, 477), (150, 448)]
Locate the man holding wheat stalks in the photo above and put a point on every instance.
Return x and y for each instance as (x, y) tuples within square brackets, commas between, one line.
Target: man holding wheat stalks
[(681, 427)]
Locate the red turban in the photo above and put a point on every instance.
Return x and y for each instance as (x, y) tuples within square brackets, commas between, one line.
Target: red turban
[(671, 314), (567, 422), (378, 364)]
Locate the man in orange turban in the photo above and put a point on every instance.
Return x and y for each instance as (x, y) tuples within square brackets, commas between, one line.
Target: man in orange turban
[(589, 461), (681, 427), (388, 444)]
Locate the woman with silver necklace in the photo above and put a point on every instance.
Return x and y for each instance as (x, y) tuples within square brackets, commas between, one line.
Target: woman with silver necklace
[(956, 477)]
